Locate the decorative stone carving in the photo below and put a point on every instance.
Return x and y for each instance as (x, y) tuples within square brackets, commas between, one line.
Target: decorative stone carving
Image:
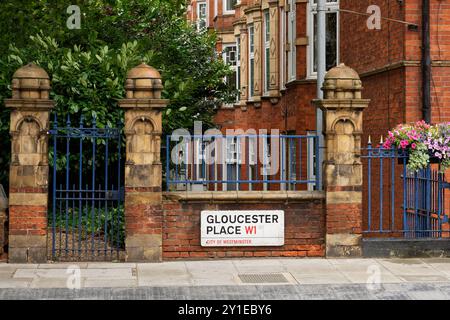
[(343, 115), (28, 178), (143, 168)]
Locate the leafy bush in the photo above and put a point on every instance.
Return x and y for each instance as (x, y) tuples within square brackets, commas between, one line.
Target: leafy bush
[(88, 66)]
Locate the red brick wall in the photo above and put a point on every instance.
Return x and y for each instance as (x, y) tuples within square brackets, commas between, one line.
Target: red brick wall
[(28, 219), (142, 218), (304, 230)]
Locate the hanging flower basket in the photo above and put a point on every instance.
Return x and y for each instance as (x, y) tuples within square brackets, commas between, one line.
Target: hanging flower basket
[(423, 144)]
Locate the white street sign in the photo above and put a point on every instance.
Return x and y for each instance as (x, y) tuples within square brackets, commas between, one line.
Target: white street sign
[(242, 228)]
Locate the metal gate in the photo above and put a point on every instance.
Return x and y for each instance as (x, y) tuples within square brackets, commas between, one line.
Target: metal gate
[(401, 203), (86, 217)]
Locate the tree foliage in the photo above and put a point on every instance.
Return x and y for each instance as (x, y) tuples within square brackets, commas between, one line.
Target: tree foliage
[(88, 66)]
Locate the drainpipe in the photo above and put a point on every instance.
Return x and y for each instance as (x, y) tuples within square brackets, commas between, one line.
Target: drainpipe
[(426, 62), (321, 69)]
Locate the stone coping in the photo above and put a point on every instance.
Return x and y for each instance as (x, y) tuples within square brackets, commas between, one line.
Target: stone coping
[(245, 196)]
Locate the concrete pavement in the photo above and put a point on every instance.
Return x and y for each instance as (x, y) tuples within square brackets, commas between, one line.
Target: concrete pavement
[(235, 279)]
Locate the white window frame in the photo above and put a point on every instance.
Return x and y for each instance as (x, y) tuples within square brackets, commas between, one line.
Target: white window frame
[(238, 66), (266, 37), (238, 62), (228, 10), (282, 49), (251, 57), (292, 35), (331, 7), (198, 15)]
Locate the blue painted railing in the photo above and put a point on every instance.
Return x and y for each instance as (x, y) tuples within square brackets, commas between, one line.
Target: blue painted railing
[(242, 162), (86, 206), (399, 202)]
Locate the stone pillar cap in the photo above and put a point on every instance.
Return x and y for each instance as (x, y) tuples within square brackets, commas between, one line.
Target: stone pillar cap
[(30, 71), (342, 82), (143, 71), (342, 72)]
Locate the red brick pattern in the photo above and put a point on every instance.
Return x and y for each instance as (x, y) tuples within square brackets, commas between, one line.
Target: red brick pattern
[(344, 218), (27, 220), (304, 231), (143, 219)]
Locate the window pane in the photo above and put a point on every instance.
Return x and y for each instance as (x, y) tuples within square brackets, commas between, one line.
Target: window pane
[(252, 77), (230, 55), (230, 4), (331, 41)]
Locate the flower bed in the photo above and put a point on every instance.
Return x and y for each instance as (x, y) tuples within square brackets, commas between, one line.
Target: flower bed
[(422, 142)]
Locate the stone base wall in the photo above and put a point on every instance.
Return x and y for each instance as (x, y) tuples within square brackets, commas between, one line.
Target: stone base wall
[(143, 224), (304, 223)]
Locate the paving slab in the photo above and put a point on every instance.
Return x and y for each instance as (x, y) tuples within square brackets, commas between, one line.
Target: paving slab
[(15, 283), (325, 278), (106, 265), (408, 267), (212, 267), (62, 265), (108, 283), (364, 277), (113, 274), (309, 266), (259, 266), (424, 278), (51, 283)]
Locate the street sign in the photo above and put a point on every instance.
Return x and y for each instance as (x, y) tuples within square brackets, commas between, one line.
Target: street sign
[(242, 228)]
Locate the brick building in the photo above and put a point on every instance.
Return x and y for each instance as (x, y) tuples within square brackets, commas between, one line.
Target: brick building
[(270, 44)]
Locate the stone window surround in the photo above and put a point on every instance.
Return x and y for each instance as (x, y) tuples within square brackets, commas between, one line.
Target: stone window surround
[(332, 7)]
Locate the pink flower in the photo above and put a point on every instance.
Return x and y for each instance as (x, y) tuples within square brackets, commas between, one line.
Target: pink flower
[(414, 146), (404, 144)]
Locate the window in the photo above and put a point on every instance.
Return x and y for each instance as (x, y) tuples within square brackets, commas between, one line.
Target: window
[(230, 56), (282, 49), (292, 56), (251, 57), (332, 35), (267, 51), (202, 15), (229, 6), (238, 67)]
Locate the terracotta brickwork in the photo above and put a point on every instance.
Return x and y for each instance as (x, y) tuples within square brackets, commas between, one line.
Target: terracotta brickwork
[(388, 61), (304, 221)]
